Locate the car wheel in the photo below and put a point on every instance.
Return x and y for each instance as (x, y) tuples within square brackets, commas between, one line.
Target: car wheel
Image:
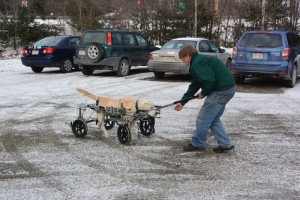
[(66, 65), (124, 68), (76, 67), (228, 64), (37, 69), (291, 83), (94, 52), (87, 70), (159, 75), (239, 79)]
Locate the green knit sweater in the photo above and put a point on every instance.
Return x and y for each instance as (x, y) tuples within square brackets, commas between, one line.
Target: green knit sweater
[(209, 74)]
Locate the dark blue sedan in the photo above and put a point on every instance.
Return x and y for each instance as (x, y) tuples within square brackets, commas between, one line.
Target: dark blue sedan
[(54, 51)]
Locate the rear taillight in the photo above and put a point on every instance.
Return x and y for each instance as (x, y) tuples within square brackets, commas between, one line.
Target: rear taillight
[(150, 57), (286, 53), (25, 51), (48, 50), (234, 52), (109, 38)]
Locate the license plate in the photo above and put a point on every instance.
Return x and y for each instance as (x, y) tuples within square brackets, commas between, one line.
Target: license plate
[(257, 55), (35, 52), (167, 58), (81, 52)]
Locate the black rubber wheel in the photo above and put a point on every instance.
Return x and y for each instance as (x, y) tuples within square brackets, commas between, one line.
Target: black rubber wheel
[(87, 70), (76, 68), (239, 79), (109, 124), (124, 134), (124, 68), (79, 128), (37, 69), (66, 65), (292, 82), (94, 52), (228, 64), (146, 126), (159, 75)]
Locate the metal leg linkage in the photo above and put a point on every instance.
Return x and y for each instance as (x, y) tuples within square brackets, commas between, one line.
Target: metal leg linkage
[(114, 116)]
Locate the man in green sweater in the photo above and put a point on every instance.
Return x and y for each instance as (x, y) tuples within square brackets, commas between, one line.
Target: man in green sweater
[(217, 84)]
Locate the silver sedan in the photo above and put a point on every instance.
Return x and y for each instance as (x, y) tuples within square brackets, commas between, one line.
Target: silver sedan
[(167, 60)]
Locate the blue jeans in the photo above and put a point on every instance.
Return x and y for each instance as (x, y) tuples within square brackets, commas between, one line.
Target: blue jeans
[(209, 118)]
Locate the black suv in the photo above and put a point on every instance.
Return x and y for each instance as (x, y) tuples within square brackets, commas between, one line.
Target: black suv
[(267, 53), (113, 50)]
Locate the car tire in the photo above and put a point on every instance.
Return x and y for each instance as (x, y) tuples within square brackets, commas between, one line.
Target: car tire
[(239, 79), (87, 70), (76, 67), (292, 82), (66, 65), (94, 52), (228, 64), (159, 75), (124, 68), (37, 69)]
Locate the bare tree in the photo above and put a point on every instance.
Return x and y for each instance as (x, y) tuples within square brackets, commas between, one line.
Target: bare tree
[(12, 9)]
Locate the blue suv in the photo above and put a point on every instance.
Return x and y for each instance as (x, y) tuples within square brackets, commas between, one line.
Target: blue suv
[(267, 54)]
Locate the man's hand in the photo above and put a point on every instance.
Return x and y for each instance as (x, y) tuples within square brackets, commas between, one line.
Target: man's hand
[(178, 107)]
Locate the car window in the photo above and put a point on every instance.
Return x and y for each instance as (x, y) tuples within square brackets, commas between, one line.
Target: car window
[(116, 38), (88, 37), (129, 39), (178, 44), (204, 47), (49, 41), (73, 42), (141, 40), (261, 40), (214, 47)]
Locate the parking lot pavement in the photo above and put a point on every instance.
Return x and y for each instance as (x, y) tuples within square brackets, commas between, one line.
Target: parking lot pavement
[(42, 159)]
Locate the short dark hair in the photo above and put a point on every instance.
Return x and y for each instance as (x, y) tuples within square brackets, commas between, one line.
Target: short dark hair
[(187, 51)]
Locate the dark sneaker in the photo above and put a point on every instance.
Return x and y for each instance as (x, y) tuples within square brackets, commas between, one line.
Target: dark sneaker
[(191, 147), (220, 149)]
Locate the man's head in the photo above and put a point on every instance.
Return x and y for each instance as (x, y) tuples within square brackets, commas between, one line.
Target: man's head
[(186, 53)]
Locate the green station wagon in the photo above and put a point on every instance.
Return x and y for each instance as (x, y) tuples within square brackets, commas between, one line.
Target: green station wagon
[(112, 50)]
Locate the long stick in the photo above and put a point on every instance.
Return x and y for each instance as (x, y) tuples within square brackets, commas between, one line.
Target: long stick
[(175, 102)]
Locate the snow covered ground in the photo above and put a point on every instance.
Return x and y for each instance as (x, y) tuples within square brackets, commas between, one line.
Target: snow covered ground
[(40, 158)]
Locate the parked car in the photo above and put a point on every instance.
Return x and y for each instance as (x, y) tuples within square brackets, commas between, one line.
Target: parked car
[(267, 54), (113, 50), (53, 51), (167, 59)]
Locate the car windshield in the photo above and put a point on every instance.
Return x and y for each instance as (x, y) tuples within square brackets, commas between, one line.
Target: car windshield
[(178, 44), (49, 41), (260, 40), (89, 37)]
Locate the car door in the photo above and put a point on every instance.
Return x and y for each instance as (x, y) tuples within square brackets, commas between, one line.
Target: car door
[(207, 47), (131, 49), (204, 48), (73, 42), (217, 52), (144, 49), (294, 45)]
